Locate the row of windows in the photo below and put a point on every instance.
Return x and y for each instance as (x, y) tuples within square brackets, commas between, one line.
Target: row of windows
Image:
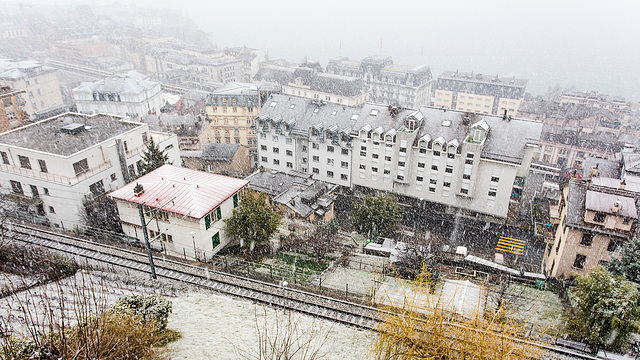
[(330, 174), (16, 187), (25, 163), (166, 238)]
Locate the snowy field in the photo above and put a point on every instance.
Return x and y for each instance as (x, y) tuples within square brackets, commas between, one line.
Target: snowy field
[(214, 327)]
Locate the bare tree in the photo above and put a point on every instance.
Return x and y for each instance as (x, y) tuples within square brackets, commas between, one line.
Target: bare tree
[(283, 337)]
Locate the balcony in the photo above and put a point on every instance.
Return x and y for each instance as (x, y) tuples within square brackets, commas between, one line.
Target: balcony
[(554, 213), (55, 177), (518, 182)]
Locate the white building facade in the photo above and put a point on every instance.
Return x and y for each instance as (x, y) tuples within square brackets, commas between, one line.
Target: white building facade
[(50, 167), (130, 95), (465, 161), (185, 209), (307, 136)]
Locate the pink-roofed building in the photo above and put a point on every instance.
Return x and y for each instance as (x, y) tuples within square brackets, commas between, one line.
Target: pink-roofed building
[(183, 209)]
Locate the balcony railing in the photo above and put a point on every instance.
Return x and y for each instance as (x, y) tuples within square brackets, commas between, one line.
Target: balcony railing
[(55, 177)]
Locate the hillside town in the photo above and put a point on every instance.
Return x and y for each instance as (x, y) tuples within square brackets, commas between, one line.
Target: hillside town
[(357, 182)]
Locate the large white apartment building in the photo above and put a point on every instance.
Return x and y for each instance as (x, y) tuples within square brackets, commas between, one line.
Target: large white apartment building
[(131, 94), (308, 136), (50, 167), (470, 162), (40, 83)]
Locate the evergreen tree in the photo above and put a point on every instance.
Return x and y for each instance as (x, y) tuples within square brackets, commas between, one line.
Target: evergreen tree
[(605, 311), (153, 157), (254, 220), (101, 213), (629, 262), (379, 215)]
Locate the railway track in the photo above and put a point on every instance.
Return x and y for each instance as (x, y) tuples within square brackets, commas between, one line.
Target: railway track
[(103, 74), (325, 307), (259, 291)]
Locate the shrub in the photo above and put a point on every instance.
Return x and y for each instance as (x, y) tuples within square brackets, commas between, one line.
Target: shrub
[(148, 307)]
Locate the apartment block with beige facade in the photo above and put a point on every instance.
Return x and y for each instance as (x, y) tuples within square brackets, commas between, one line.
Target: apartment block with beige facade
[(11, 113), (230, 113), (42, 94), (596, 217), (479, 93)]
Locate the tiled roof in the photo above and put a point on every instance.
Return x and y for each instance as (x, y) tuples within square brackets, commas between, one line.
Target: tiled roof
[(182, 191)]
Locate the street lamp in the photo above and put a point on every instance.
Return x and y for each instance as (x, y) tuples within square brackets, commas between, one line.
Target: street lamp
[(193, 238)]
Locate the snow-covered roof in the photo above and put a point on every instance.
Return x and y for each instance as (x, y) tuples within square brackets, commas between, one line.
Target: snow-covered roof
[(219, 152), (132, 83), (182, 191), (603, 202), (47, 137)]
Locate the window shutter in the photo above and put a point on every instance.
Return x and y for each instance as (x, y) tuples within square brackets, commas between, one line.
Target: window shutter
[(218, 213), (215, 240), (207, 222), (235, 200)]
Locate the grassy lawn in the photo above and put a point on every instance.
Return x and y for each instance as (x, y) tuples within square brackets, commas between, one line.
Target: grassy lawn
[(281, 266), (540, 308)]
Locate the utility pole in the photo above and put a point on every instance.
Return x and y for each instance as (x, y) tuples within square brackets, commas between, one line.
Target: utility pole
[(146, 241)]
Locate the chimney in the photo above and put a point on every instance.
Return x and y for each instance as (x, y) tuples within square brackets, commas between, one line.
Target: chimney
[(623, 184), (616, 207), (573, 175), (594, 172), (138, 190)]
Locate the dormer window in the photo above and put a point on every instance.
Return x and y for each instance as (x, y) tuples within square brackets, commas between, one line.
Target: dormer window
[(477, 135)]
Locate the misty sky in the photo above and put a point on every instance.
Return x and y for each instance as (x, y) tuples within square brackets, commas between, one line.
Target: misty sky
[(592, 45)]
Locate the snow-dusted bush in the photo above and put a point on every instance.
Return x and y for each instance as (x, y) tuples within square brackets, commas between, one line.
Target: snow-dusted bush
[(148, 307)]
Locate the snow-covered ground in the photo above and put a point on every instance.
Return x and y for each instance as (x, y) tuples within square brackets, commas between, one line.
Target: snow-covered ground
[(360, 283), (214, 327)]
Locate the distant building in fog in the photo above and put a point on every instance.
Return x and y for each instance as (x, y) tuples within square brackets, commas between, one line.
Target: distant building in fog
[(390, 84), (594, 100), (132, 94), (42, 96), (310, 82), (479, 93)]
